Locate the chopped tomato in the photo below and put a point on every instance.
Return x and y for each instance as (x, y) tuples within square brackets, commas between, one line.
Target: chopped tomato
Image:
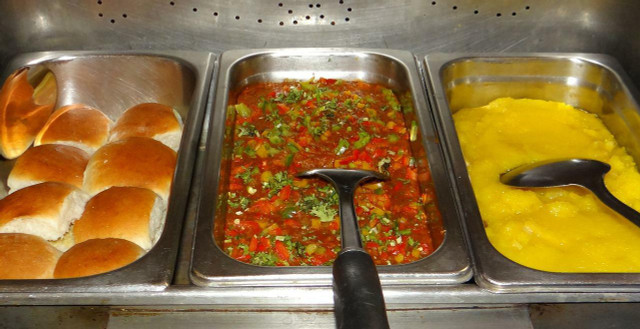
[(296, 126), (263, 244), (281, 251), (379, 152), (262, 206), (282, 109), (253, 245), (371, 245), (285, 192), (412, 174), (335, 225), (364, 156), (252, 227), (235, 187), (243, 258), (292, 223)]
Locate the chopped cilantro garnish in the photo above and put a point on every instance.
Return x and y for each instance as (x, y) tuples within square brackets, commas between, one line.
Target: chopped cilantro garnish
[(318, 130), (247, 129), (331, 104), (293, 96), (246, 175), (263, 258), (250, 151), (308, 202), (244, 247), (241, 202), (277, 182), (349, 104), (324, 212), (330, 193)]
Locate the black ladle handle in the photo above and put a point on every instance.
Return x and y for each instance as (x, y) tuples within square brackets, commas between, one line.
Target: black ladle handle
[(358, 298), (349, 230), (357, 292), (598, 188)]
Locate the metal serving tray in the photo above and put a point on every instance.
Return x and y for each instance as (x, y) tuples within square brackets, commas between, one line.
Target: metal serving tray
[(575, 79), (395, 69), (114, 82)]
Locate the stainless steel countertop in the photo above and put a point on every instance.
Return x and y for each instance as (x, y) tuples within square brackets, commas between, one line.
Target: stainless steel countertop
[(419, 26)]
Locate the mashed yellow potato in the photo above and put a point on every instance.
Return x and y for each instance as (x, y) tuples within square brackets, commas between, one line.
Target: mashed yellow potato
[(552, 229)]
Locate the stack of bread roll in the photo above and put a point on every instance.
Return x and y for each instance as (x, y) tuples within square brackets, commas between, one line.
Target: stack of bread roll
[(90, 196)]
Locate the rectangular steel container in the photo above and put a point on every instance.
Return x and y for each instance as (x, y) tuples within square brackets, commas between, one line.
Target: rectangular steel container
[(575, 79), (114, 82), (394, 69)]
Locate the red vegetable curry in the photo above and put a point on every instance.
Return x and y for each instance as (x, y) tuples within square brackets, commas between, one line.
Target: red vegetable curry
[(280, 129)]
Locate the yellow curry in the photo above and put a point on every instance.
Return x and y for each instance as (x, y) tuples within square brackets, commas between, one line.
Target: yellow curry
[(551, 229)]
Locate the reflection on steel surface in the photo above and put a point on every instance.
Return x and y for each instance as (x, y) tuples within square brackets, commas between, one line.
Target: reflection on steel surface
[(113, 82), (395, 69), (472, 80)]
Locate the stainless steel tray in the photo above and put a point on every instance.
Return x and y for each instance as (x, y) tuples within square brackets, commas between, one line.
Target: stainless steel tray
[(396, 69), (569, 78), (113, 82)]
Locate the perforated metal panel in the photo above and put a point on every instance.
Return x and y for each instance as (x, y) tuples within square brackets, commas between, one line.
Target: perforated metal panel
[(419, 25), (315, 14)]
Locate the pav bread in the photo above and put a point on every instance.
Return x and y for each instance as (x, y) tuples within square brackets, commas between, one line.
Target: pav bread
[(24, 111), (25, 256), (130, 213), (45, 209), (48, 163), (65, 242), (96, 256), (77, 125), (136, 161), (152, 120)]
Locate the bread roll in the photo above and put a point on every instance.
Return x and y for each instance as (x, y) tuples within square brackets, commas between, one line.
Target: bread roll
[(77, 125), (24, 256), (96, 256), (45, 210), (152, 120), (65, 242), (136, 161), (48, 163), (23, 111), (130, 213)]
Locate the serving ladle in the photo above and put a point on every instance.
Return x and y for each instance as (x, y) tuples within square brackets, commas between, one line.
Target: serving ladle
[(580, 172), (357, 292)]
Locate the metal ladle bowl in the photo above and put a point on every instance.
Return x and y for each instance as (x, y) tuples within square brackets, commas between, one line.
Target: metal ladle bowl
[(357, 292), (579, 172)]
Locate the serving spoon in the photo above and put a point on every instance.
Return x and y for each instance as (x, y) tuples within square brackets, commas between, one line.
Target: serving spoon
[(357, 292), (580, 172)]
